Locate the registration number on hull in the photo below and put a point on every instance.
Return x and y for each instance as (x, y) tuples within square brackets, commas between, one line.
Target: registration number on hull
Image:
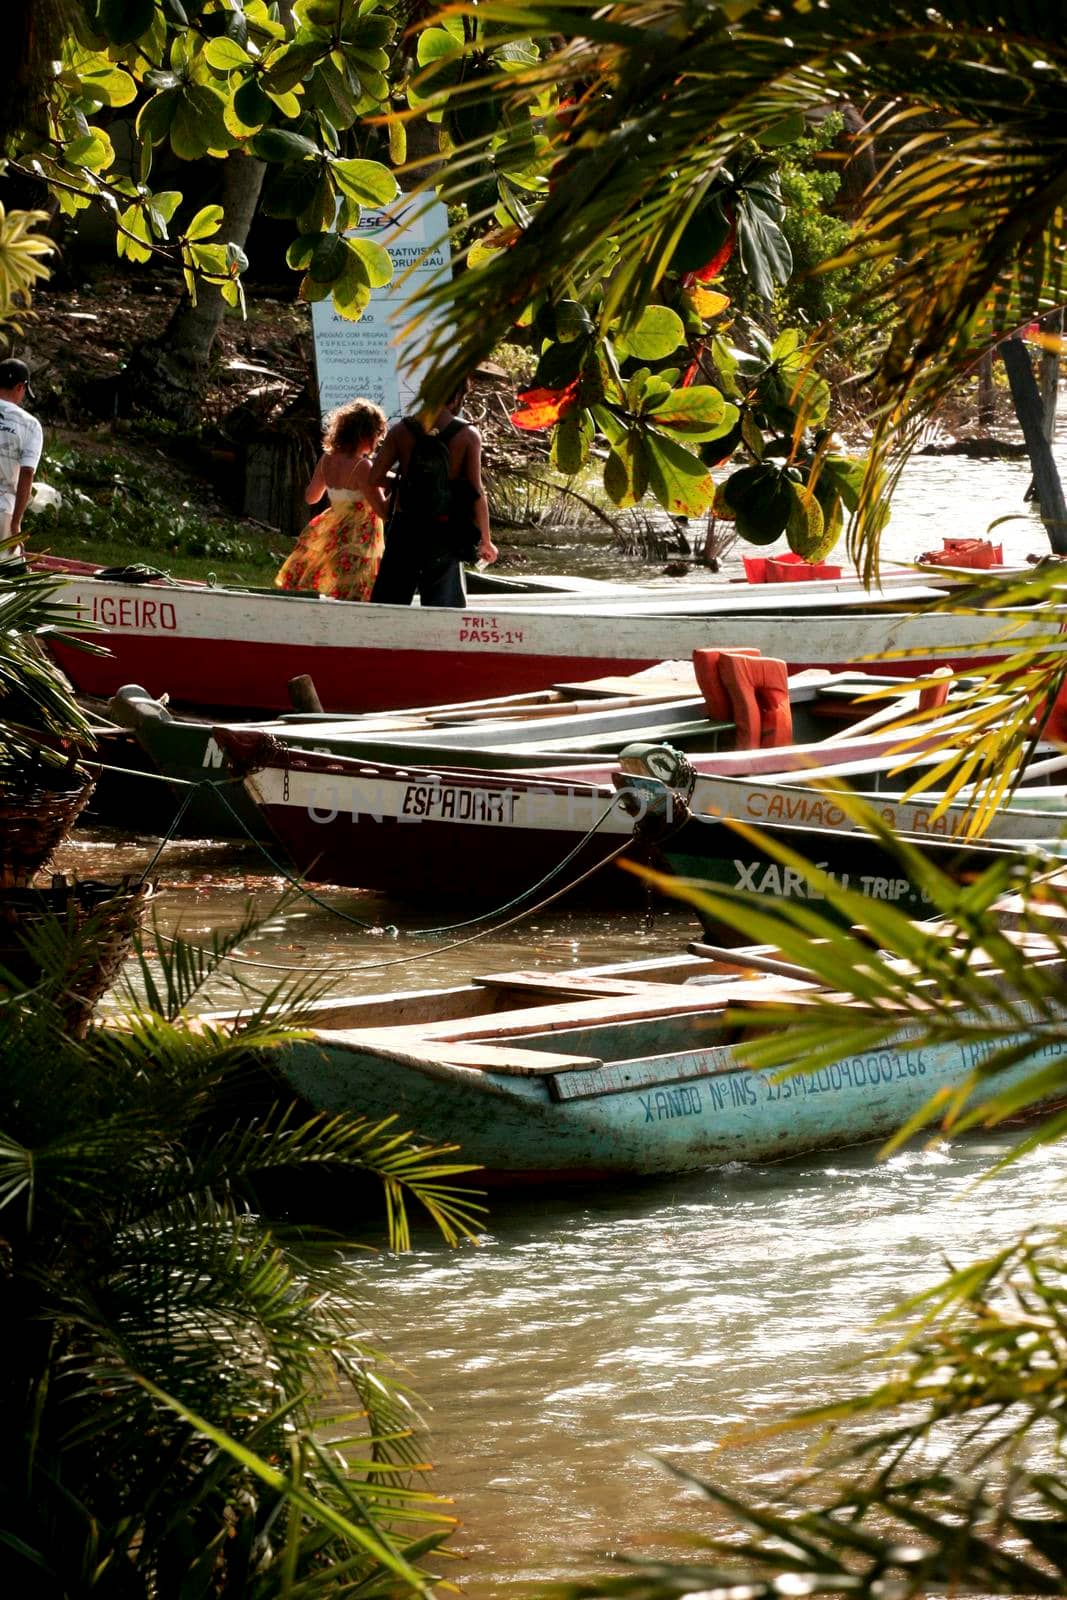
[(487, 630)]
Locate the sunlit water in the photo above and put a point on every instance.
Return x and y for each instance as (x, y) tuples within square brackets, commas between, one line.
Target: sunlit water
[(592, 1338), (593, 1334), (938, 497)]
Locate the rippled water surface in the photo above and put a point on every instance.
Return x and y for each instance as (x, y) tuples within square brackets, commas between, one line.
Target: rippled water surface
[(591, 1332)]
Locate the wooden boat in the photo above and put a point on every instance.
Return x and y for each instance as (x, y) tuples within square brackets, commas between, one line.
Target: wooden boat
[(791, 810), (479, 835), (1035, 811), (220, 647), (564, 726), (607, 1073)]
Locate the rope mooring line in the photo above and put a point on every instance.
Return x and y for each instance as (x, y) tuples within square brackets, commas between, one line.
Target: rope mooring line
[(419, 955), (218, 787)]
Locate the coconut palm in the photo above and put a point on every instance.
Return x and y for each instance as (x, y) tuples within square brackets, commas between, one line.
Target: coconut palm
[(662, 100), (172, 1358)]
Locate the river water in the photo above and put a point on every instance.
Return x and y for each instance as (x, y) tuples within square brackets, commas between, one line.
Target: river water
[(937, 497), (591, 1336)]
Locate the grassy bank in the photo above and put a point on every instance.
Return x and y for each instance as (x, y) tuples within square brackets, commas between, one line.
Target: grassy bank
[(124, 502)]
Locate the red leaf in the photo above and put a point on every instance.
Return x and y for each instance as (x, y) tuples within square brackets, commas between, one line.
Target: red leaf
[(540, 408), (693, 368), (712, 268)]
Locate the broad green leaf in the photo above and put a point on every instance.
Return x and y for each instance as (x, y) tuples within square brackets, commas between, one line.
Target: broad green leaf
[(93, 150), (124, 21), (104, 82), (312, 291), (785, 344), (806, 530), (330, 94), (226, 55), (206, 223), (626, 472), (437, 44), (302, 249), (278, 144), (251, 105), (764, 249), (658, 331), (321, 210), (698, 412), (288, 66), (132, 220), (616, 477), (752, 436), (351, 293), (572, 321), (210, 258), (679, 480), (372, 31), (369, 182), (198, 124), (161, 208), (156, 116), (635, 388), (289, 190), (846, 476), (287, 101), (760, 500), (328, 259), (571, 442), (377, 262)]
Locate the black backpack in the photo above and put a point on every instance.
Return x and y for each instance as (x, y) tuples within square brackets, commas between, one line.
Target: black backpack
[(426, 489)]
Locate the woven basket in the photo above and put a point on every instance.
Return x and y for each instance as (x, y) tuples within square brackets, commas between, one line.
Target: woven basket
[(38, 806), (108, 914)]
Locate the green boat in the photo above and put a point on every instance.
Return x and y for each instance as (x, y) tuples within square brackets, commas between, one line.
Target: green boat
[(570, 725)]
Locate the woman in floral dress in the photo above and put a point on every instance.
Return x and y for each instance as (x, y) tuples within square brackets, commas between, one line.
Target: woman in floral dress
[(340, 550)]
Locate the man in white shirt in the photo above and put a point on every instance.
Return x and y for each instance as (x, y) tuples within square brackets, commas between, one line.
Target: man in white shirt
[(21, 441)]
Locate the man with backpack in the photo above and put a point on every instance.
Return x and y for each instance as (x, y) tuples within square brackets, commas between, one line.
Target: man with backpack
[(438, 514)]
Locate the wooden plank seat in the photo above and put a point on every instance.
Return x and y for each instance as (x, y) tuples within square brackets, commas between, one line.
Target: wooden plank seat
[(409, 1048), (652, 1002), (558, 983)]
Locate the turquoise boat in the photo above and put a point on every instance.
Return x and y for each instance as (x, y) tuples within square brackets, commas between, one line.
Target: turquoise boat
[(622, 1072)]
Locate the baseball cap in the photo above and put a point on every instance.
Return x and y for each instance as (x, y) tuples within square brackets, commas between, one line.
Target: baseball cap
[(15, 372)]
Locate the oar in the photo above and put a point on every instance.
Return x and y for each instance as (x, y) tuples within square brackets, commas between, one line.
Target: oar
[(754, 963)]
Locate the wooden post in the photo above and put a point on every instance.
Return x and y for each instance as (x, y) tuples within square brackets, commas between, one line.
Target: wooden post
[(1049, 368), (1027, 400), (303, 696)]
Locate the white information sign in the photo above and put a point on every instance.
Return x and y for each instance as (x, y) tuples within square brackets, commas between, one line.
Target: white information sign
[(362, 358)]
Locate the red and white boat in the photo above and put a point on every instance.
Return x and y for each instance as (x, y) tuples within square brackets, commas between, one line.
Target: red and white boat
[(476, 834), (239, 648)]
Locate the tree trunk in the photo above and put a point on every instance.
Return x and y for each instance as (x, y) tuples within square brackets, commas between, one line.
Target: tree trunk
[(166, 377), (33, 39), (1027, 399)]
